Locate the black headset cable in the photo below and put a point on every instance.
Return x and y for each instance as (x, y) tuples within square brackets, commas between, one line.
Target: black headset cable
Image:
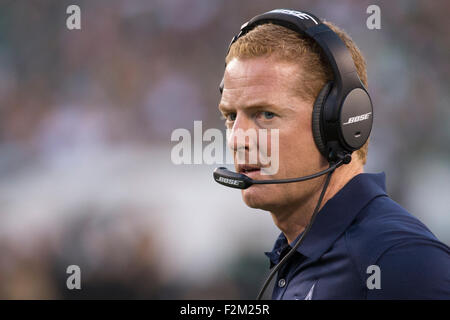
[(294, 248)]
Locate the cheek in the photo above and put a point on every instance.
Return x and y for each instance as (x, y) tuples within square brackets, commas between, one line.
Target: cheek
[(297, 150)]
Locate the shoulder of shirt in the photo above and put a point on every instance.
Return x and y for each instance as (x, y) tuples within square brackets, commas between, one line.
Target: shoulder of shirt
[(383, 225)]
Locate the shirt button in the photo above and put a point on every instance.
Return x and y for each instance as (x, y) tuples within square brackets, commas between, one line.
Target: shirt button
[(281, 283)]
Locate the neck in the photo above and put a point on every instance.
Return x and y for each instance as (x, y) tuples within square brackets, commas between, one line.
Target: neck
[(294, 218)]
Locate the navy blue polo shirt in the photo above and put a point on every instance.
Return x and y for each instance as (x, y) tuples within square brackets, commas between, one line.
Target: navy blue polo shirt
[(363, 245)]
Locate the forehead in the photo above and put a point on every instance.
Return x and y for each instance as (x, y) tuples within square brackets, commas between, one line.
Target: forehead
[(265, 79)]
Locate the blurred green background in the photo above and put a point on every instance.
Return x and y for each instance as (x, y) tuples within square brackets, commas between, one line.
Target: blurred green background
[(85, 123)]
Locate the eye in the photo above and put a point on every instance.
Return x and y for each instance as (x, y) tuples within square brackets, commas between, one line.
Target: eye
[(268, 114), (230, 116)]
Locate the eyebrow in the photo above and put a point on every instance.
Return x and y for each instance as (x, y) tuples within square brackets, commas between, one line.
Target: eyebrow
[(255, 106)]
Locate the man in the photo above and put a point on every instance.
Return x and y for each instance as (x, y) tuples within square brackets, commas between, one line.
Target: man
[(362, 245)]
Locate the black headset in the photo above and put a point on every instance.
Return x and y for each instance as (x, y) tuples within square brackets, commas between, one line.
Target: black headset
[(342, 114)]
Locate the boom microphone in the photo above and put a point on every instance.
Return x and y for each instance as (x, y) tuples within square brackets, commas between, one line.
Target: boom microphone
[(240, 181)]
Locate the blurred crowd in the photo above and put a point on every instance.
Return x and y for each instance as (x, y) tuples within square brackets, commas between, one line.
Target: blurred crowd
[(85, 123)]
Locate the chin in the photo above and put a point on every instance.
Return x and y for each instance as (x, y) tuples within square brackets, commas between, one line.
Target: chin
[(259, 197)]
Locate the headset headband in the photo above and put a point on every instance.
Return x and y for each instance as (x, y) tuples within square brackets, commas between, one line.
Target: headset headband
[(344, 72)]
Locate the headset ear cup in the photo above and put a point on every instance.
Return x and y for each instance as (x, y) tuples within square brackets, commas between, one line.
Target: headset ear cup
[(316, 119)]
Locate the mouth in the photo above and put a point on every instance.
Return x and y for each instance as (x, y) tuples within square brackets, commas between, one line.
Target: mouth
[(248, 169)]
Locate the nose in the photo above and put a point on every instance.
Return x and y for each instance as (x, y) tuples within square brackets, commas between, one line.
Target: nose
[(242, 137)]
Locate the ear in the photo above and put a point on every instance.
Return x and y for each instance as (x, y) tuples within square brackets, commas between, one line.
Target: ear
[(316, 118)]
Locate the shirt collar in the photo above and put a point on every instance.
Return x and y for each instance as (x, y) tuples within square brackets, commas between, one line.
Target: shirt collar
[(335, 216)]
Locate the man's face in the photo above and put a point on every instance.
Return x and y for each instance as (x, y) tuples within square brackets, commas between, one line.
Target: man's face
[(259, 93)]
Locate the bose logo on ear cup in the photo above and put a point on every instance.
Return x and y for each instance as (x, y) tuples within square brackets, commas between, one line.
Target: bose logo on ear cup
[(359, 118)]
